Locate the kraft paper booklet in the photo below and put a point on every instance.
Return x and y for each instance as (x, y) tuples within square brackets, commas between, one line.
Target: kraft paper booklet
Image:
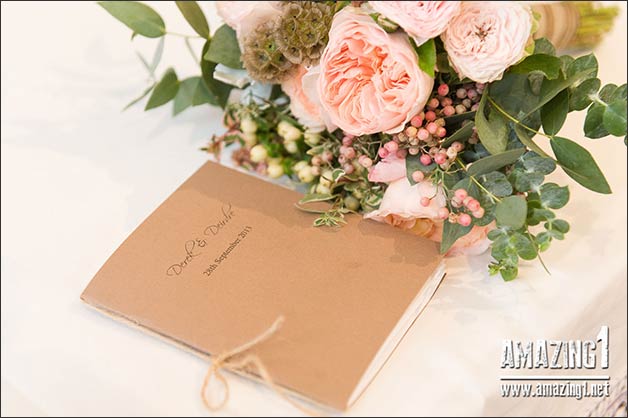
[(227, 253)]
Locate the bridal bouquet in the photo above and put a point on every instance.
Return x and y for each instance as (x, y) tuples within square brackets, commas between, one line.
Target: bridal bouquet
[(425, 115)]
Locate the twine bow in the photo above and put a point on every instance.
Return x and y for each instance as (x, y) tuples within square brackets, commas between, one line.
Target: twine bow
[(227, 360)]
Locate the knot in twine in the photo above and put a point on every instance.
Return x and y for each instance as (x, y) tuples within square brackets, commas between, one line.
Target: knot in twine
[(227, 360)]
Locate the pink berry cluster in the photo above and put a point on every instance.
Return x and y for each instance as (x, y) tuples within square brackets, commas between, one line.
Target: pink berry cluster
[(349, 156), (462, 200), (427, 129)]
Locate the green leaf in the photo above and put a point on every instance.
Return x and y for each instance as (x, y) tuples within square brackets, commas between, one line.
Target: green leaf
[(594, 122), (493, 132), (219, 90), (413, 163), (451, 232), (554, 113), (224, 48), (509, 273), (565, 62), (544, 64), (551, 88), (427, 57), (144, 94), (140, 18), (526, 139), (458, 118), (585, 63), (538, 164), (194, 15), (579, 165), (580, 96), (526, 181), (315, 197), (553, 196), (511, 211), (461, 134), (494, 162), (559, 225), (164, 91), (615, 118), (188, 95), (159, 51), (544, 46), (543, 240), (496, 183), (524, 246)]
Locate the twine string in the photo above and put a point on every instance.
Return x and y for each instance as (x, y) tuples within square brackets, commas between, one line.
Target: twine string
[(228, 361)]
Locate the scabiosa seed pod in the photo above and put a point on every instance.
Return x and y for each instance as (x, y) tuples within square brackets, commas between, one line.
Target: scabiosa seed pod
[(303, 31), (262, 57)]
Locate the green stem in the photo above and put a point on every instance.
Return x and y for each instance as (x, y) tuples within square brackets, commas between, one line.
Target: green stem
[(515, 120), (491, 195)]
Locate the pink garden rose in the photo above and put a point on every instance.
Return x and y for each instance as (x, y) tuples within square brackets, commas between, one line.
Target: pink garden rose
[(401, 207), (245, 16), (370, 80), (305, 104), (487, 37), (422, 20)]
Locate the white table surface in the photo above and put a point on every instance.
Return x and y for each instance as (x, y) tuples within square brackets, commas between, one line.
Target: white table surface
[(78, 176)]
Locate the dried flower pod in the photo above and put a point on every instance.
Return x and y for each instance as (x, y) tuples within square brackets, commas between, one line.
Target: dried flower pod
[(262, 57), (303, 31)]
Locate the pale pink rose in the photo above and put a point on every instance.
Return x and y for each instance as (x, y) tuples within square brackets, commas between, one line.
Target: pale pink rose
[(422, 20), (370, 80), (474, 243), (388, 170), (305, 104), (245, 16), (401, 205), (487, 37)]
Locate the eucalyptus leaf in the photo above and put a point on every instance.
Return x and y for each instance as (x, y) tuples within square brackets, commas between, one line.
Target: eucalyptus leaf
[(220, 90), (524, 246), (594, 122), (194, 15), (494, 162), (579, 165), (164, 91), (493, 132), (614, 118), (496, 183), (192, 92), (537, 164), (511, 211), (554, 113), (584, 63), (580, 96), (547, 65), (551, 88), (159, 51), (554, 196), (224, 48), (140, 18)]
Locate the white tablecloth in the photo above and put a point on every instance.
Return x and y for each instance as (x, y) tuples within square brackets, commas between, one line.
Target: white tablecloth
[(78, 175)]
